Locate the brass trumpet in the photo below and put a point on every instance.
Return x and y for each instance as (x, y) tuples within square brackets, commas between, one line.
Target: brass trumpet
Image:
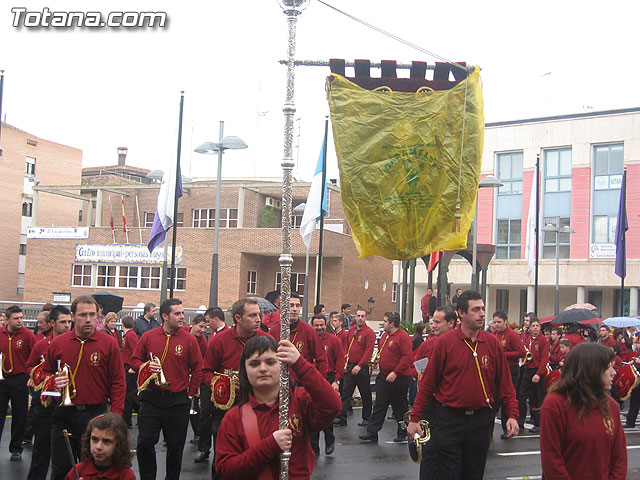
[(415, 446), (527, 358), (161, 380), (63, 371)]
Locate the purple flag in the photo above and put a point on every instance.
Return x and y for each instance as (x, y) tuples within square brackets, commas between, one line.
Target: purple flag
[(163, 219), (621, 229)]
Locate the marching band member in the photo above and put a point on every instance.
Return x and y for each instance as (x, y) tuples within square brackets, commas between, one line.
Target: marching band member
[(95, 376), (337, 322), (172, 353), (250, 441), (16, 342), (222, 361), (129, 344), (465, 367), (532, 380), (392, 383), (59, 323), (361, 341), (554, 347), (197, 329)]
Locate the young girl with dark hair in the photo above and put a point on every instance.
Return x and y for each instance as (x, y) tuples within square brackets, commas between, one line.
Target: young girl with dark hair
[(250, 440), (106, 453), (580, 420)]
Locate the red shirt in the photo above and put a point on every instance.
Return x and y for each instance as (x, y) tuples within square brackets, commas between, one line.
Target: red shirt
[(100, 374), (202, 341), (396, 353), (223, 352), (607, 341), (343, 336), (88, 471), (360, 343), (306, 340), (218, 331), (129, 344), (311, 409), (271, 319), (39, 350), (574, 339), (554, 353), (335, 354), (425, 348), (586, 449), (424, 306), (511, 344), (182, 363), (524, 336), (22, 341), (540, 349), (40, 335), (452, 374)]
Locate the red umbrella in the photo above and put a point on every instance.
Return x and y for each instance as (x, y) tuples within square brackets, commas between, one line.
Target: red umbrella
[(591, 321), (548, 319)]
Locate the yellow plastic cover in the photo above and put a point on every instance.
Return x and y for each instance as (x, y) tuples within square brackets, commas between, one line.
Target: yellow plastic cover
[(406, 190)]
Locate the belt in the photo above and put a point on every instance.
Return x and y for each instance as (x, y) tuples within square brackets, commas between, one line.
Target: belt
[(81, 408), (460, 411), (163, 392)]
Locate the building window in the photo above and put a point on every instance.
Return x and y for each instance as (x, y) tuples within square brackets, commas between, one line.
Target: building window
[(23, 249), (106, 276), (557, 200), (148, 219), (128, 277), (502, 299), (150, 277), (297, 282), (608, 168), (82, 275), (180, 280), (509, 205), (394, 292), (206, 217), (27, 207), (252, 282), (30, 167)]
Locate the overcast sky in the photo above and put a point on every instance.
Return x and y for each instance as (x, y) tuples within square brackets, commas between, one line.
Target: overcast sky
[(98, 89)]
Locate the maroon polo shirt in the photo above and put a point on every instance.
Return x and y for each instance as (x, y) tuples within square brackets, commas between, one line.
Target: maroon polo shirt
[(89, 471), (182, 364), (129, 344), (40, 335), (425, 348), (452, 374), (574, 339), (223, 352), (335, 354), (100, 374), (343, 336), (396, 353), (554, 353), (39, 350), (217, 332), (306, 340), (202, 341), (360, 343), (512, 345), (539, 347), (607, 341), (22, 341)]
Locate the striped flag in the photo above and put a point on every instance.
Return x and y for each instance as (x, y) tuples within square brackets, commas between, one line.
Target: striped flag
[(312, 208), (124, 218)]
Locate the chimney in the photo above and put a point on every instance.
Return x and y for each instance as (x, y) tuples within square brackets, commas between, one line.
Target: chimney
[(122, 156)]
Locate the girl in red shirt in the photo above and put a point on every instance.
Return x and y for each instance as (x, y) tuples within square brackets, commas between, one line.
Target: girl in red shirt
[(105, 450), (580, 420), (249, 440)]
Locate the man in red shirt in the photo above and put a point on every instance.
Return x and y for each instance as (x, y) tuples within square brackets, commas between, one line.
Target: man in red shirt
[(532, 380), (465, 368), (96, 376), (304, 337), (224, 350), (43, 325), (554, 348), (524, 333), (335, 361), (337, 322), (443, 320), (604, 336), (59, 323), (16, 342), (197, 329), (360, 342), (392, 383), (129, 344), (428, 305), (513, 351), (166, 409)]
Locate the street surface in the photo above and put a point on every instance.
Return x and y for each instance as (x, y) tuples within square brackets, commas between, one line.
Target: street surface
[(512, 459)]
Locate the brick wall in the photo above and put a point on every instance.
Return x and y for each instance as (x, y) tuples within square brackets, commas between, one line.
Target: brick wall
[(580, 212)]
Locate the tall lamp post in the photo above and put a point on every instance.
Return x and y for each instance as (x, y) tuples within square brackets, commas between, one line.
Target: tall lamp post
[(558, 230), (305, 301), (226, 143), (489, 181)]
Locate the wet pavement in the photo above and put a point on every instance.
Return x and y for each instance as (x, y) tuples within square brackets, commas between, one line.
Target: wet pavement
[(512, 459)]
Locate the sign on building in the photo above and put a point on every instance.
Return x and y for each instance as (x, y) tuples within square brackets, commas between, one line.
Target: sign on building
[(602, 250), (124, 253), (58, 232)]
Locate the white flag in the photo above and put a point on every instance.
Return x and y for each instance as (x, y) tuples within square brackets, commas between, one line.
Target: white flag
[(312, 209)]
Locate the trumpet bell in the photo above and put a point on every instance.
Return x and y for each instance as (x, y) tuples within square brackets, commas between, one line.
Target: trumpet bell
[(415, 443)]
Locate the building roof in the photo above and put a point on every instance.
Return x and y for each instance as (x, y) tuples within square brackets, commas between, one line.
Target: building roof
[(569, 116)]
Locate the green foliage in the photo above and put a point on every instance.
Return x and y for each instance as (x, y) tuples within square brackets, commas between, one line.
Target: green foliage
[(408, 326), (268, 218)]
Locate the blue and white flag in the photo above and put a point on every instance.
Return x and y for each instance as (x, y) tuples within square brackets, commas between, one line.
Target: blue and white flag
[(163, 219), (312, 209)]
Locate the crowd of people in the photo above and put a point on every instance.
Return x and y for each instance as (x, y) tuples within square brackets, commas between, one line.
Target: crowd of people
[(86, 378)]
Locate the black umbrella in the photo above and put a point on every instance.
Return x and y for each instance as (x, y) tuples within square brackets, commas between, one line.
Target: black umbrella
[(266, 307), (574, 316), (109, 302)]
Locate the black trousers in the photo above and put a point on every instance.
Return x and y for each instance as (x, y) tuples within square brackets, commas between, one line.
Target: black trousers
[(350, 382), (458, 446), (394, 393), (514, 370), (167, 412), (206, 420), (131, 397), (41, 453), (534, 392), (634, 405), (14, 389), (329, 437), (194, 418), (74, 420)]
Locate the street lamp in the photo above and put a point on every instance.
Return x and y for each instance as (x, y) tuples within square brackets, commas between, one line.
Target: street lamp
[(305, 301), (226, 143), (489, 181), (558, 230)]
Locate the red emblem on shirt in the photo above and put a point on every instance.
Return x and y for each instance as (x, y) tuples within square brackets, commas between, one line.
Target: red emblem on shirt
[(485, 361), (300, 346), (608, 425), (19, 344), (179, 350), (295, 424), (359, 337), (94, 359)]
